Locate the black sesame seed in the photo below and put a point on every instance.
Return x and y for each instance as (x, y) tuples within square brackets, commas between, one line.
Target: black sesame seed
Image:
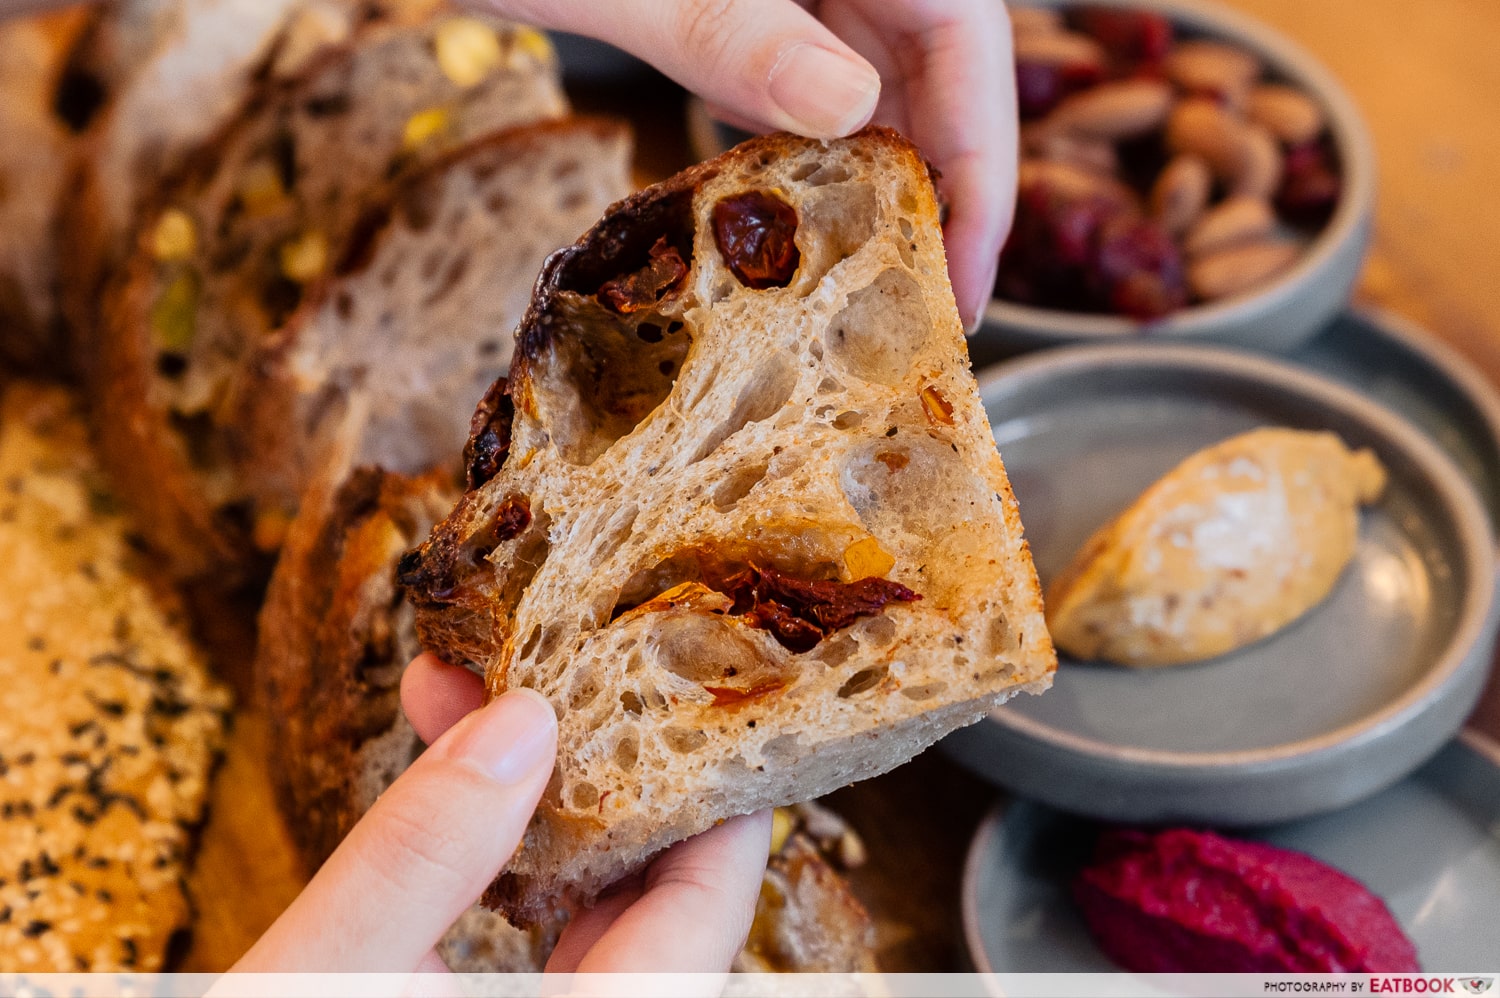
[(36, 643), (27, 871), (77, 730), (35, 928), (25, 758), (5, 915), (49, 868), (83, 815), (131, 953), (105, 896)]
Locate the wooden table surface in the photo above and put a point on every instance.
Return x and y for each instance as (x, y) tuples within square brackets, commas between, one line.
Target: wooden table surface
[(1425, 76)]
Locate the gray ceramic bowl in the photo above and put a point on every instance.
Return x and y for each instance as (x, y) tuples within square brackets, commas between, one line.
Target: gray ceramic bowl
[(1289, 309), (1336, 706)]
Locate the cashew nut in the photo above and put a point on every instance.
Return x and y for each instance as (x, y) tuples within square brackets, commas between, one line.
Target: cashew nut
[(1181, 192), (1235, 221), (1243, 155), (1285, 112), (1239, 268), (1114, 111)]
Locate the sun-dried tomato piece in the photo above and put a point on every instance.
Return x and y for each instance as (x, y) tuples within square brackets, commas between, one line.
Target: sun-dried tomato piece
[(756, 234), (728, 696), (489, 434), (660, 278), (801, 612)]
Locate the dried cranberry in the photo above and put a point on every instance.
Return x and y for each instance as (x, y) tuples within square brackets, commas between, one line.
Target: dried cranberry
[(756, 234), (489, 434), (1138, 270), (1131, 37), (1041, 86), (1310, 186), (662, 275)]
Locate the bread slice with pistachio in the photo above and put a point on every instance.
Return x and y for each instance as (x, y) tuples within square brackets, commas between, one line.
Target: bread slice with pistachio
[(288, 298), (335, 639), (739, 513), (109, 722)]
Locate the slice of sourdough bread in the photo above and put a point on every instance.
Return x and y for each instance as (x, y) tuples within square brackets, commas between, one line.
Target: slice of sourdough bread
[(231, 384), (172, 75), (751, 535), (109, 722), (33, 162), (335, 638)]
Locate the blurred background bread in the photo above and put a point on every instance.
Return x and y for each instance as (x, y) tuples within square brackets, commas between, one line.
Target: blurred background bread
[(109, 722)]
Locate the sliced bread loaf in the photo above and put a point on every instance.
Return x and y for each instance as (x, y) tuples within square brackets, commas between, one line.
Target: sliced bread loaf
[(329, 337), (739, 514), (109, 723)]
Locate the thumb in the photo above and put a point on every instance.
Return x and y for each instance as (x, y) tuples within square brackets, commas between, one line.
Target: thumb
[(426, 850), (768, 61)]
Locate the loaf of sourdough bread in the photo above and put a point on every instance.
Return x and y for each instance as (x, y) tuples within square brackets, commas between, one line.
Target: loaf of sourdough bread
[(739, 513)]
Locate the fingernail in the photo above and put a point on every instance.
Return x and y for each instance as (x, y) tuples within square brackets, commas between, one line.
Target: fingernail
[(511, 738), (824, 93)]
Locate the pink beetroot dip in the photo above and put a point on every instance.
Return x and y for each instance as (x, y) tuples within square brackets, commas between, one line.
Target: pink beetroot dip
[(1183, 901)]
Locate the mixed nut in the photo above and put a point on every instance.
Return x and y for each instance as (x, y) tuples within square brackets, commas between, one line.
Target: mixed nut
[(1155, 172)]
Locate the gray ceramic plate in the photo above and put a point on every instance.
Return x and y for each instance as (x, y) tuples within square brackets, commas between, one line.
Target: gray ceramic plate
[(1429, 846), (1400, 364), (1340, 704)]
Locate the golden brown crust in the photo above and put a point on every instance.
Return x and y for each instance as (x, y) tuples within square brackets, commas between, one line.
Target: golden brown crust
[(332, 650)]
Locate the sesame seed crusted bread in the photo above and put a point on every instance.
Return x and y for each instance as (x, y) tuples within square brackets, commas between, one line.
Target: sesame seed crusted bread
[(739, 514), (289, 305), (108, 722), (336, 637)]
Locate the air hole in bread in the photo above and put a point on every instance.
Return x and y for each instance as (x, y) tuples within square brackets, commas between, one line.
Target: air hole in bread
[(419, 206), (737, 484), (455, 273), (583, 690), (840, 220), (849, 420), (597, 377), (630, 702), (815, 351), (684, 741), (876, 632), (863, 681), (830, 385), (529, 645), (924, 692), (762, 394), (1000, 637), (878, 333), (707, 650), (836, 651), (583, 796), (627, 751)]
